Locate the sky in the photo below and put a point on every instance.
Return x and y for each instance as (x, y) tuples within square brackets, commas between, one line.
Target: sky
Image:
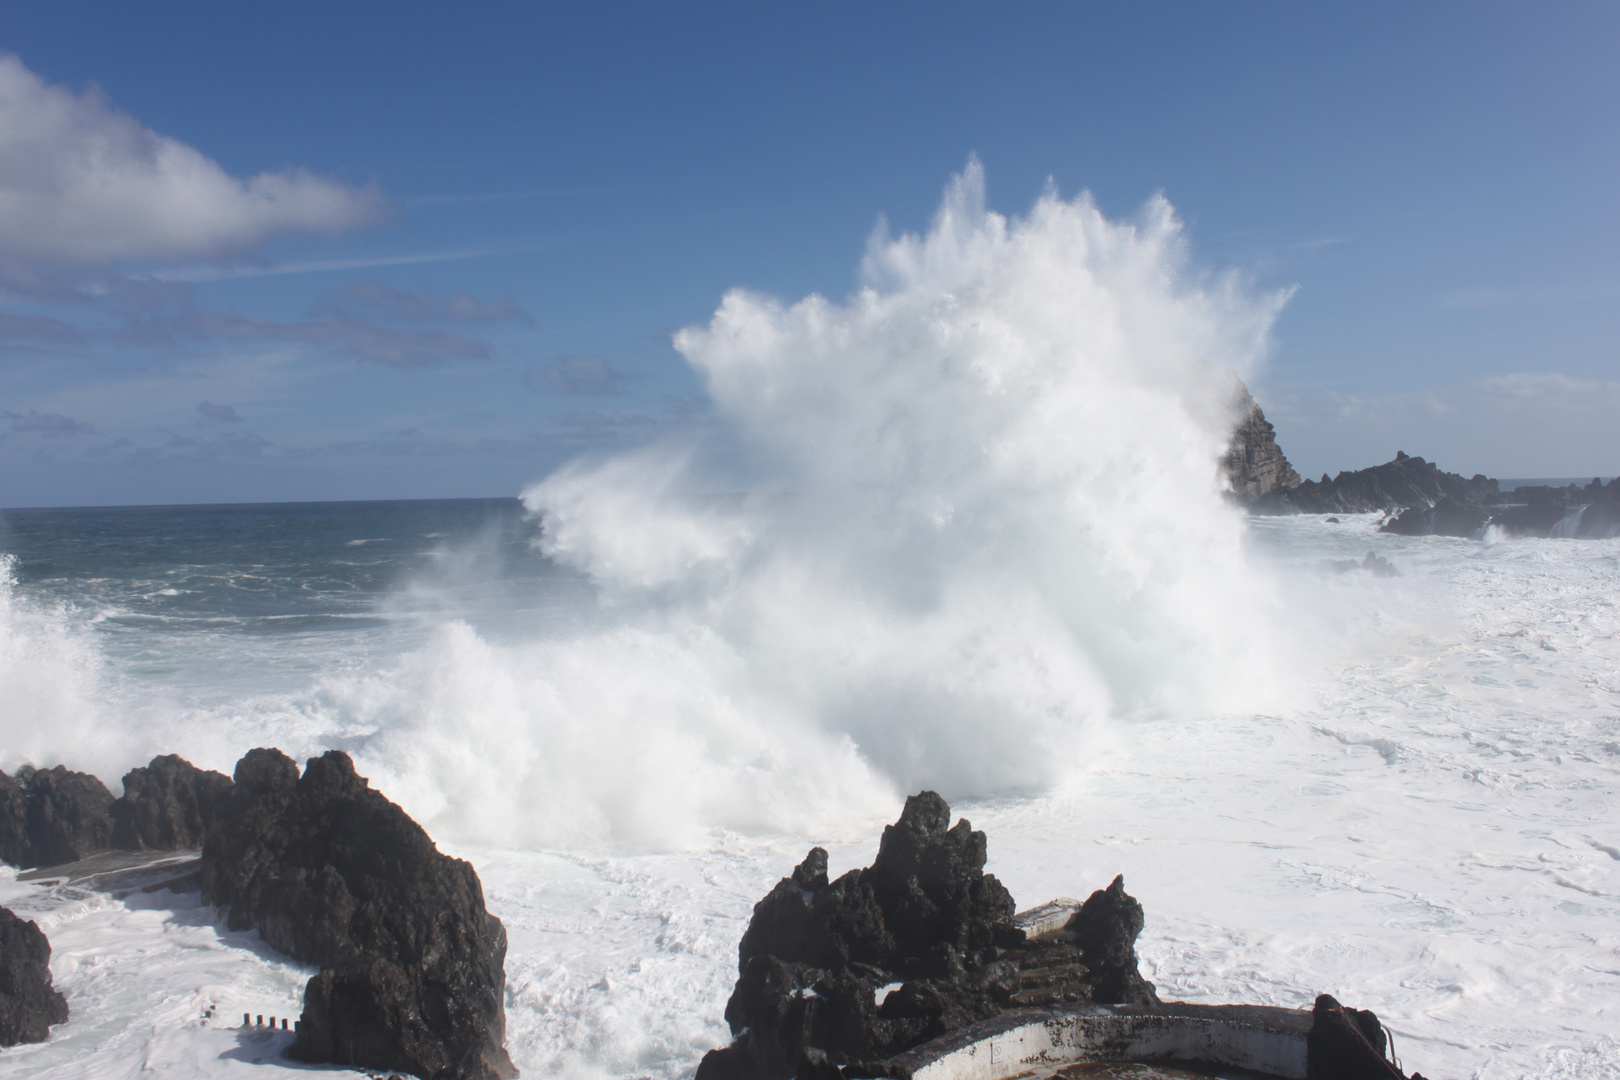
[(409, 250)]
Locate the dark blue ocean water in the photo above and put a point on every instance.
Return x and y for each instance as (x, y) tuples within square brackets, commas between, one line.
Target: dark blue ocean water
[(200, 602)]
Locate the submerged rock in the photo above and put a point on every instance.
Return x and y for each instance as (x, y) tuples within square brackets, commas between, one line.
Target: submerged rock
[(918, 944), (167, 806), (333, 874), (29, 1004)]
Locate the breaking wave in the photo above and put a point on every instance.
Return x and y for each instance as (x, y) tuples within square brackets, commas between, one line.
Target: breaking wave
[(986, 517)]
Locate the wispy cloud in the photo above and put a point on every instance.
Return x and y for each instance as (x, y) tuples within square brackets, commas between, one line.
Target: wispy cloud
[(585, 376), (41, 328), (49, 425), (381, 301), (220, 414), (416, 347), (84, 185), (204, 273)]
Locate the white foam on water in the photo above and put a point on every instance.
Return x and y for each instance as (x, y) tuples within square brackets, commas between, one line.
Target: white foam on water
[(988, 555), (989, 516)]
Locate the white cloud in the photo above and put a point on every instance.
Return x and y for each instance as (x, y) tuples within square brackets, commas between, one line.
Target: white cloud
[(82, 184)]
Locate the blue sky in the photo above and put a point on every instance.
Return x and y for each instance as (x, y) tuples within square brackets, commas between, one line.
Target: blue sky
[(474, 228)]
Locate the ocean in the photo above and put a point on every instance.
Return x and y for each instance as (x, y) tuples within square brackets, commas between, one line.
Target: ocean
[(981, 549)]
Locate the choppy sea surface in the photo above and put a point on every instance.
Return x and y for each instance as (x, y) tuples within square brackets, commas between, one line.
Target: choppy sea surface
[(1428, 829)]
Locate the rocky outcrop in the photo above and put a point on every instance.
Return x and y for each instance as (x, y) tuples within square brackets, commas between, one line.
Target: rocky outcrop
[(1405, 482), (1254, 464), (52, 816), (832, 974), (167, 806), (49, 817), (1348, 1044), (29, 1004), (333, 874)]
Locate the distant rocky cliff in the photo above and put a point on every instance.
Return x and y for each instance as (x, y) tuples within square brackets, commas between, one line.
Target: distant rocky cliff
[(1254, 464)]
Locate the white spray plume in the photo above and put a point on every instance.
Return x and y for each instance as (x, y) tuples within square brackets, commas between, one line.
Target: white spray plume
[(993, 519)]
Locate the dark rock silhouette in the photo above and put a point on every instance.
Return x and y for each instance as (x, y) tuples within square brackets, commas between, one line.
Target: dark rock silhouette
[(1348, 1044), (918, 944), (52, 816), (333, 874), (1106, 928), (1406, 482), (167, 806), (29, 1004)]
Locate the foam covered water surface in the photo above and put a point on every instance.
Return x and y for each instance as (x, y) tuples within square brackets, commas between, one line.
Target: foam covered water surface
[(984, 550)]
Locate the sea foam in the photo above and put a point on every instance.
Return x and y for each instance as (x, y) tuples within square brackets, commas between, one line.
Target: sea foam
[(986, 515)]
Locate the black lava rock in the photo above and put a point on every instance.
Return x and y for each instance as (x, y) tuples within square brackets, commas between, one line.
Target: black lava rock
[(167, 806), (52, 816), (920, 943), (1347, 1044), (1106, 928), (29, 1004), (1395, 485), (333, 874)]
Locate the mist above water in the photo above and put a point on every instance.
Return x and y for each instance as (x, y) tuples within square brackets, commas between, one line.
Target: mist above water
[(986, 521), (990, 517)]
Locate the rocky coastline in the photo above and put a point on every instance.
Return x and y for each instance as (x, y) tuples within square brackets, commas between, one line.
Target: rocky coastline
[(1417, 497), (411, 964), (846, 979)]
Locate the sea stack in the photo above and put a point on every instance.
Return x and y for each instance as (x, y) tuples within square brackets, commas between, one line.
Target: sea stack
[(333, 874), (29, 1004)]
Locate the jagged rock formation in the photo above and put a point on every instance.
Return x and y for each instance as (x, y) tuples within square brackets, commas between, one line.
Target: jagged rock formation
[(167, 806), (52, 816), (926, 924), (333, 874), (1590, 511), (29, 1004), (1402, 483), (1254, 464)]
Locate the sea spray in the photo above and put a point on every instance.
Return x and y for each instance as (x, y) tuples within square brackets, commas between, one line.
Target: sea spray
[(989, 516), (52, 683)]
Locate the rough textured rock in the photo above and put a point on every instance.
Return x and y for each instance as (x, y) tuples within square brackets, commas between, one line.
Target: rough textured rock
[(1348, 1044), (335, 875), (29, 1004), (927, 923), (52, 816), (1395, 485), (167, 806), (1254, 464)]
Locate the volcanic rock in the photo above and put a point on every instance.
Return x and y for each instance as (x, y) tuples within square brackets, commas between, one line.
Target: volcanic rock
[(1348, 1044), (1254, 464), (167, 806), (52, 816), (29, 1004), (335, 875), (920, 943), (1395, 485)]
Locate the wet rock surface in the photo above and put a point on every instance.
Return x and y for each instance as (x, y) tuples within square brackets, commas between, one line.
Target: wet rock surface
[(835, 974), (52, 816), (167, 806), (29, 1004), (1254, 464), (1348, 1044), (1404, 483), (333, 874)]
